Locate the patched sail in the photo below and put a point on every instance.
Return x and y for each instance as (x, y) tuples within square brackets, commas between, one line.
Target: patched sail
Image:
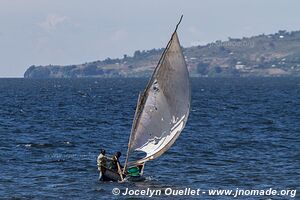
[(163, 108)]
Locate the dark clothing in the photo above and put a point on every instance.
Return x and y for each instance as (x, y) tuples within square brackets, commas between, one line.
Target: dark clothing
[(114, 163)]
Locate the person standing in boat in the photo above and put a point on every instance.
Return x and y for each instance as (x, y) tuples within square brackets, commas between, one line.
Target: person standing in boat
[(101, 163), (115, 163)]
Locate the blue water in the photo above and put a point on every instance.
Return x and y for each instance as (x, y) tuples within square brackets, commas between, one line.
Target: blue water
[(241, 133)]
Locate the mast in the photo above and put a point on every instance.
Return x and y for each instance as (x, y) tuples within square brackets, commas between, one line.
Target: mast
[(132, 129)]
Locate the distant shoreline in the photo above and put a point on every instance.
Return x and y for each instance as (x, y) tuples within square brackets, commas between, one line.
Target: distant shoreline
[(273, 55)]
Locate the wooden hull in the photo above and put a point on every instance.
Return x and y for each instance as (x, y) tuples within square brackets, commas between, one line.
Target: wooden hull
[(110, 175)]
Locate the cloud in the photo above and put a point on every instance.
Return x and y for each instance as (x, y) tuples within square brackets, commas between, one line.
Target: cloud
[(53, 21)]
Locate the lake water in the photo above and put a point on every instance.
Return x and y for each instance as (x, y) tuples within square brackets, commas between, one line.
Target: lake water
[(241, 133)]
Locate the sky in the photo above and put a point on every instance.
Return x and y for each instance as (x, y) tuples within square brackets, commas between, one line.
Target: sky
[(42, 32)]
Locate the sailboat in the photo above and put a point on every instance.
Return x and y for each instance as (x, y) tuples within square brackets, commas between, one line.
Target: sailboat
[(161, 113)]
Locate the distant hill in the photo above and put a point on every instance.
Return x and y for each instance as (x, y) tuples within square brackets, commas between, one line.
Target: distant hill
[(263, 55)]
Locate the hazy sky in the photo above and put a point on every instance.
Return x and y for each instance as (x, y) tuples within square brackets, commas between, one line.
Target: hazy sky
[(41, 32)]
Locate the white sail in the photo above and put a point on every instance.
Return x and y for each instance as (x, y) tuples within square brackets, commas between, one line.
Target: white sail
[(164, 106)]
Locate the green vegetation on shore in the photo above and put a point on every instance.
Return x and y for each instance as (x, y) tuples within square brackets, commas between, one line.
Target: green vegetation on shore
[(263, 55)]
